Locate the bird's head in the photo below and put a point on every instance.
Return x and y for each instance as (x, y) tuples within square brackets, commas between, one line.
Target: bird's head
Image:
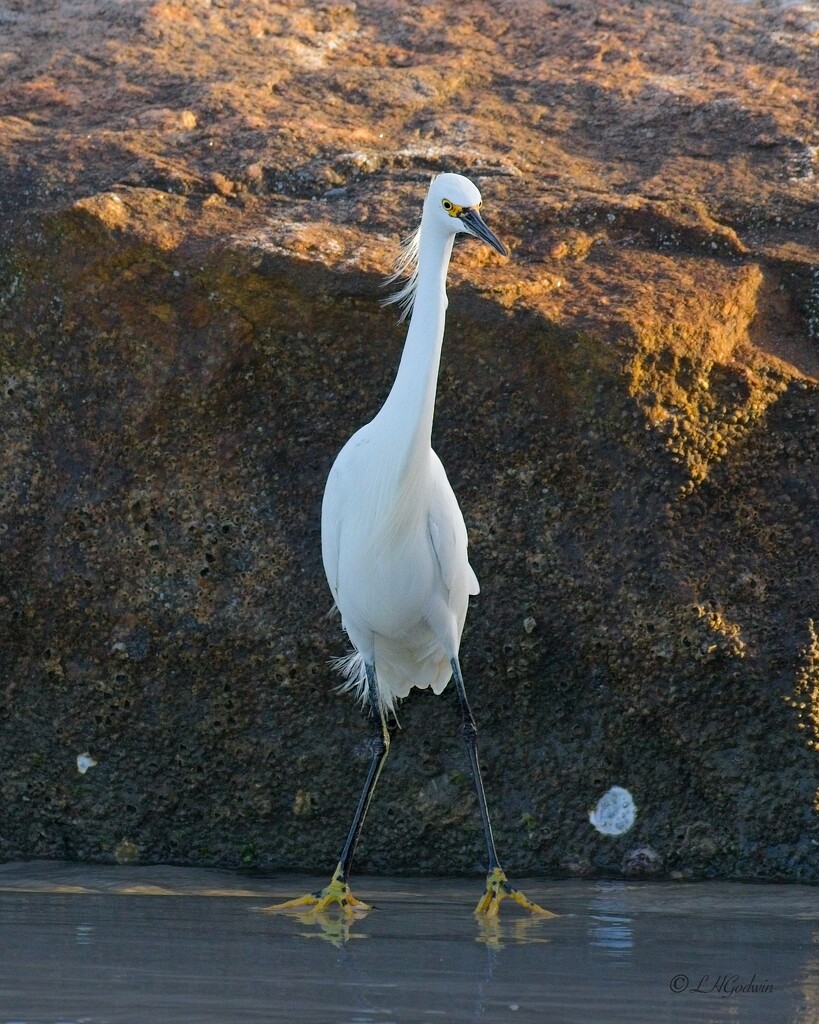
[(455, 204)]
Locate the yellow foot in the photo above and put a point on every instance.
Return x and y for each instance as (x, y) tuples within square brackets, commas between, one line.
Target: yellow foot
[(337, 892), (497, 889)]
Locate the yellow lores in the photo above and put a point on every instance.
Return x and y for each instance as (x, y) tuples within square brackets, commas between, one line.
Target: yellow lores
[(454, 210), (394, 542)]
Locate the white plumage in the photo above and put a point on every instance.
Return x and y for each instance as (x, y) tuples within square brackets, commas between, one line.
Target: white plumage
[(409, 617), (394, 542)]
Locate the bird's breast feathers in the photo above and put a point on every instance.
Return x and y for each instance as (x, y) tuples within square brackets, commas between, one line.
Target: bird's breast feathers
[(393, 547)]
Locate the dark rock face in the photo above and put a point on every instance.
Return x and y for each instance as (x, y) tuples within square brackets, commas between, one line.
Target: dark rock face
[(198, 209)]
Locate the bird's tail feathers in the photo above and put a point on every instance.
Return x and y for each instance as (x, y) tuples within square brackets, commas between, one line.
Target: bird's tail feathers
[(351, 666)]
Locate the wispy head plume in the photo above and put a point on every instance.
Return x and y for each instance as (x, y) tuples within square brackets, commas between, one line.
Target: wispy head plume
[(406, 267)]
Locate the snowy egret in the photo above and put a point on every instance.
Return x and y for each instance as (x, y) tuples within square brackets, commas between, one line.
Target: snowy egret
[(393, 538)]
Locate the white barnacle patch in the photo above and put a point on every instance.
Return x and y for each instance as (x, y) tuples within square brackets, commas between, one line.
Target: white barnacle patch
[(615, 812), (84, 762)]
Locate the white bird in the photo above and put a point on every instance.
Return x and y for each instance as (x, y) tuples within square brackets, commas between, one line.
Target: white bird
[(393, 538)]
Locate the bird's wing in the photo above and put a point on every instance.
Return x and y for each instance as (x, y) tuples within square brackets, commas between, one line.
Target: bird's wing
[(448, 531), (331, 531)]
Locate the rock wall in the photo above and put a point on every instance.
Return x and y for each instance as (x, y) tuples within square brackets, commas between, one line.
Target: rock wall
[(199, 205)]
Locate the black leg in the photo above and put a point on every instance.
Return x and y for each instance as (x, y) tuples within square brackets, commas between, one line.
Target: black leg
[(380, 749), (497, 884), (338, 891), (470, 734)]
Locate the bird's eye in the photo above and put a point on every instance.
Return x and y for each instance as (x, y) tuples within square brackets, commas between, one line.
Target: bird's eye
[(447, 205)]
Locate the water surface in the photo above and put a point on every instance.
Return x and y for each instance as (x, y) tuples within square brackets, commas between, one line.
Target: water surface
[(131, 945)]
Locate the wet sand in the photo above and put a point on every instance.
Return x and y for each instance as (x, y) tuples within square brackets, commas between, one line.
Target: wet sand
[(134, 945)]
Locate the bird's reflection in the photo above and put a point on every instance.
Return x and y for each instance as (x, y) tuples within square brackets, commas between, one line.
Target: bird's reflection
[(494, 932), (337, 929), (497, 933)]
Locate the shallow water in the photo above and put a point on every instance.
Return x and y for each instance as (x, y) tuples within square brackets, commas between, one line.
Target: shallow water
[(131, 945)]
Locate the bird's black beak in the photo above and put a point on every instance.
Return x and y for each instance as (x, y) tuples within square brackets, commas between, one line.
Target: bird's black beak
[(475, 226)]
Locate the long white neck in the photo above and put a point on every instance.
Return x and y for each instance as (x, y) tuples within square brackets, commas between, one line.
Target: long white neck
[(410, 405)]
